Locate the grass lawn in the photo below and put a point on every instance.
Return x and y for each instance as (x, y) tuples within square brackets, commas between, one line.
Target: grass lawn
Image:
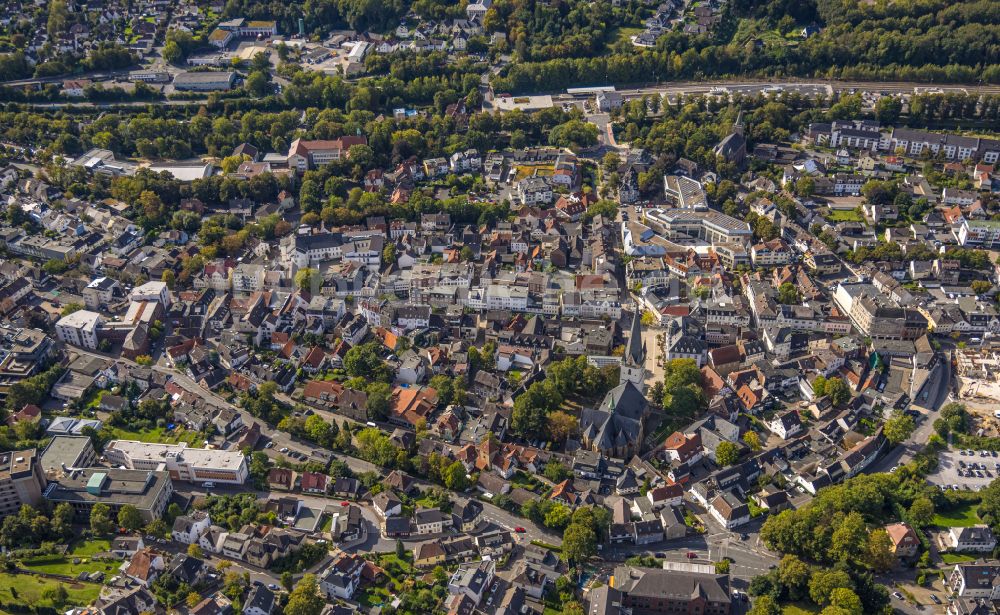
[(844, 215), (63, 564), (625, 34), (160, 436), (374, 596), (956, 558), (960, 517), (799, 608), (30, 589)]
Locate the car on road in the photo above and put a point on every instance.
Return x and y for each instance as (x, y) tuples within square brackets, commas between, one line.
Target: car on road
[(897, 595), (345, 503), (935, 599), (272, 586), (519, 530), (744, 536), (269, 445), (691, 555)]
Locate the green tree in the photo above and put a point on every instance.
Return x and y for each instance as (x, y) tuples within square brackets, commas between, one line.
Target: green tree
[(823, 582), (921, 512), (363, 360), (194, 550), (887, 109), (308, 279), (579, 543), (377, 405), (752, 440), (556, 472), (764, 605), (838, 391), (400, 550), (881, 557), (981, 286), (722, 566), (172, 52), (794, 575), (850, 538), (305, 598), (287, 580), (192, 599), (898, 427), (846, 599), (129, 518), (727, 454), (100, 519), (788, 294)]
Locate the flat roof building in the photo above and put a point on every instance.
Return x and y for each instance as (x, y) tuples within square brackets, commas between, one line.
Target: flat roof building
[(64, 452), (21, 481), (79, 329), (148, 491), (205, 81), (195, 465)]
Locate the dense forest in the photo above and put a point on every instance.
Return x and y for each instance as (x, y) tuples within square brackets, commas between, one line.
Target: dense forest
[(929, 40)]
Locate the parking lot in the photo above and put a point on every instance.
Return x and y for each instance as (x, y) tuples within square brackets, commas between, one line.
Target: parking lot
[(968, 470)]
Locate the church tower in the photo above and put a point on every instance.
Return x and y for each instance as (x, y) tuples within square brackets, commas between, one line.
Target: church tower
[(634, 360)]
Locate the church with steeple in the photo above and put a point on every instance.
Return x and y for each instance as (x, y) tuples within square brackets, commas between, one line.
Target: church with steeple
[(634, 360), (616, 426)]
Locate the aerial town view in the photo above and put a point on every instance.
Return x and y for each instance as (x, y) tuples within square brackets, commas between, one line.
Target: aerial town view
[(500, 307)]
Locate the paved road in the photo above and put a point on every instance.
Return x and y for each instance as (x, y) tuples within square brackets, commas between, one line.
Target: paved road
[(904, 452), (493, 514)]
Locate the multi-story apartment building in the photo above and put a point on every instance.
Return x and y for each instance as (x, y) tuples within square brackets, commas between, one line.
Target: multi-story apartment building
[(80, 329), (979, 233), (21, 481)]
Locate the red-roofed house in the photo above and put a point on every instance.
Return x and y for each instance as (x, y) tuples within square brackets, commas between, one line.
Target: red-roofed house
[(29, 413), (314, 482), (685, 448), (408, 406), (904, 539)]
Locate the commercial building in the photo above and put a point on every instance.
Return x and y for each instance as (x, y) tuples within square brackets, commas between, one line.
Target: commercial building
[(205, 81), (64, 452), (21, 481), (651, 591), (195, 465), (687, 226), (684, 193), (148, 491), (80, 329)]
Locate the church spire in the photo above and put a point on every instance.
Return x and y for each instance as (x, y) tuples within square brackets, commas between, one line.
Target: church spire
[(635, 351)]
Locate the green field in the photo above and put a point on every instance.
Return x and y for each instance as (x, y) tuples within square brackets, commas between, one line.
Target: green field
[(30, 590), (625, 34), (964, 516), (956, 558), (63, 564), (844, 215), (799, 608), (160, 436)]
